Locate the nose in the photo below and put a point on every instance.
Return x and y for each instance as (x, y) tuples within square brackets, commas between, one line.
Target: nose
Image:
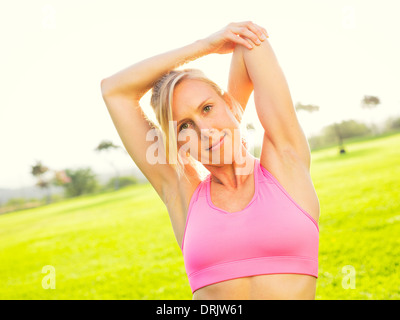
[(205, 129), (207, 133)]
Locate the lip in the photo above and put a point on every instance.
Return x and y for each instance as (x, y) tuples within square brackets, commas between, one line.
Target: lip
[(218, 145)]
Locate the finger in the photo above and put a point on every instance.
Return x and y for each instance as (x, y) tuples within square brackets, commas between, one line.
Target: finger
[(239, 40), (257, 30), (247, 33), (261, 33), (265, 32)]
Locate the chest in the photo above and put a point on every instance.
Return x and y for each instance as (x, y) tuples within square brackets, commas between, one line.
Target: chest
[(232, 201), (271, 224)]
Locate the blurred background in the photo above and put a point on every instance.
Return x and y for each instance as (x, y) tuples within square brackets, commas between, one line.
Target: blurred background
[(57, 139), (340, 59)]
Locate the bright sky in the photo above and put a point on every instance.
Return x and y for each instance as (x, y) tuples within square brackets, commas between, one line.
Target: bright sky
[(55, 53)]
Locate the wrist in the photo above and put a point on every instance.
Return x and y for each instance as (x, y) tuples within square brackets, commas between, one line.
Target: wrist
[(202, 47)]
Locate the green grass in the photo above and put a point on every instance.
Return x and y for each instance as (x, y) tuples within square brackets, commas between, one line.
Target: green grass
[(120, 245), (360, 219)]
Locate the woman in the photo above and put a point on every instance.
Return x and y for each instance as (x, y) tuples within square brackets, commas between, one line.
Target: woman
[(249, 229)]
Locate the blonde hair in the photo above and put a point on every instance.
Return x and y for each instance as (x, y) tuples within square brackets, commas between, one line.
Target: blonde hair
[(161, 102)]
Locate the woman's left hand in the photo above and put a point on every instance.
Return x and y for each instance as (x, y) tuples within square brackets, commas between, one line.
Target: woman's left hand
[(246, 33)]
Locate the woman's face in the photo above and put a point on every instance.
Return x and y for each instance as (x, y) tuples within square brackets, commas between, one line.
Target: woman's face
[(203, 119)]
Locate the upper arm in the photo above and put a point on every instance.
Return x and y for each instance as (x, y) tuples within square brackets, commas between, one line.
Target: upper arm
[(133, 127), (274, 103)]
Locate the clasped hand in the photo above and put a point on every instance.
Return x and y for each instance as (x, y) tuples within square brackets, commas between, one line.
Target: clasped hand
[(247, 34)]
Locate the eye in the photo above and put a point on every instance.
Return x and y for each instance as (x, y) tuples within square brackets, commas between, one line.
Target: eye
[(182, 127), (207, 106)]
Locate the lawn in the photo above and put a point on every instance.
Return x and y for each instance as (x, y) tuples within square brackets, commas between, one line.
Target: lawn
[(120, 245), (360, 219)]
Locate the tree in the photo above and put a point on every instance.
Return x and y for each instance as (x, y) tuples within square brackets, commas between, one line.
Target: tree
[(249, 140), (369, 103), (82, 181), (339, 135), (108, 145), (123, 181), (310, 108), (306, 107), (346, 129), (392, 124), (60, 178), (250, 126), (38, 170), (105, 145)]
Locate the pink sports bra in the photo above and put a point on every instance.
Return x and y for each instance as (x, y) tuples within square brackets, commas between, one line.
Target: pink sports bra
[(272, 235)]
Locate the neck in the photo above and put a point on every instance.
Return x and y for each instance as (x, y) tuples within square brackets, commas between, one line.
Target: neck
[(233, 175)]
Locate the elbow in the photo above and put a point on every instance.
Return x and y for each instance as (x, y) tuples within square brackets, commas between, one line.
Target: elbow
[(104, 87), (109, 87)]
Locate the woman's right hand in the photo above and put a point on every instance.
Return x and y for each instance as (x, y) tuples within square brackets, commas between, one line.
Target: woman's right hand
[(246, 34)]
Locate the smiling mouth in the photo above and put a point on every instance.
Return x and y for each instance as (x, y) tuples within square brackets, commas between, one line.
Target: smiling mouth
[(218, 143)]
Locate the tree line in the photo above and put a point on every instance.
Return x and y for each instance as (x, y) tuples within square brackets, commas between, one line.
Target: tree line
[(76, 182)]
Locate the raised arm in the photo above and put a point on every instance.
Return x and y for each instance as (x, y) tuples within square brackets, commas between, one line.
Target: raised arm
[(274, 103), (137, 79), (240, 85), (122, 92)]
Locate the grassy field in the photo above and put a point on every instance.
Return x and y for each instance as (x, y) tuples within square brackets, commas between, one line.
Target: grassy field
[(120, 245)]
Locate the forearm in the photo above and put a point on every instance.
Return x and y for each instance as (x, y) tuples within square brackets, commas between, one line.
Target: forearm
[(239, 84), (137, 79)]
